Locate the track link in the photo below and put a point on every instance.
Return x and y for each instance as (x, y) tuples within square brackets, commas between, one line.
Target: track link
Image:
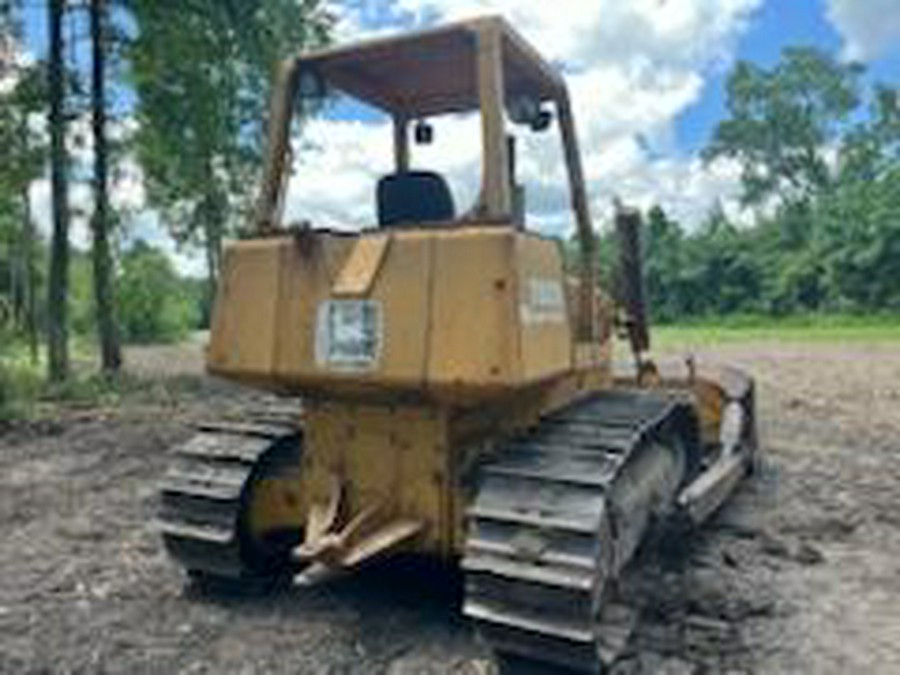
[(204, 494), (546, 533)]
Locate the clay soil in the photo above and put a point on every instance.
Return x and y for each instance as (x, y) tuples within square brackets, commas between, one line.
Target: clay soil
[(799, 574)]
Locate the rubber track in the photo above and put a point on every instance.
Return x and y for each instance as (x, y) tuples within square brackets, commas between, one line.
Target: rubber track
[(535, 541), (202, 495)]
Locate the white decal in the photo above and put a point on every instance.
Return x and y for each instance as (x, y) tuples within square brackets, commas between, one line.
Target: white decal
[(348, 334), (543, 301)]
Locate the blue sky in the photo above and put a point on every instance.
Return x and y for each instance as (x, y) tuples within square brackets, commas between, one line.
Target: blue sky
[(648, 83)]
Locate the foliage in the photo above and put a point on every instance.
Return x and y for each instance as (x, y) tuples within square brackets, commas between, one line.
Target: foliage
[(91, 390), (23, 149), (798, 328), (23, 157), (20, 381), (783, 120), (839, 254), (19, 388), (831, 241), (201, 72), (153, 305), (24, 394)]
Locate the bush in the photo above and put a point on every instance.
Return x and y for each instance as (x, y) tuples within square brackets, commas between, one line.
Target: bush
[(20, 387), (92, 390), (155, 304)]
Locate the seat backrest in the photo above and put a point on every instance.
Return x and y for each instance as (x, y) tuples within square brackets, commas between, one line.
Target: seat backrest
[(414, 197)]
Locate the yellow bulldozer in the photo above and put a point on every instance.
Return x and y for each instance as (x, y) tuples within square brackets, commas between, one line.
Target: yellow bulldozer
[(459, 394)]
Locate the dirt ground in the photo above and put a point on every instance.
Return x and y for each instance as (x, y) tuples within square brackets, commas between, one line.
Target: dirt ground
[(799, 574)]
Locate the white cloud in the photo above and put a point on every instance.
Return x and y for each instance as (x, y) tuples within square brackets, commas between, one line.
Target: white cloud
[(585, 33), (334, 168), (869, 27), (632, 67), (338, 163), (13, 58)]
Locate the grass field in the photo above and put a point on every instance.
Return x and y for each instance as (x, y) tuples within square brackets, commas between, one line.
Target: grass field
[(796, 329)]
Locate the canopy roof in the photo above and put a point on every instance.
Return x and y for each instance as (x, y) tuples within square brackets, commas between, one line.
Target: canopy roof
[(434, 71)]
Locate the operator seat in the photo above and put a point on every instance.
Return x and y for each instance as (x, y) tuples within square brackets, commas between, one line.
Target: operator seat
[(413, 198)]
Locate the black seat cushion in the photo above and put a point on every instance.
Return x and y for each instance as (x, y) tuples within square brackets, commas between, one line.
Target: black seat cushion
[(414, 197)]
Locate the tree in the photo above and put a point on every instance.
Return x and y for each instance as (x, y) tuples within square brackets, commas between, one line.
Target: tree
[(872, 148), (783, 120), (57, 315), (201, 72), (104, 291)]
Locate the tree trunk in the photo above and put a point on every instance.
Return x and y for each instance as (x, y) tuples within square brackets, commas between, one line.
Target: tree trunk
[(213, 245), (57, 311), (212, 216), (104, 290), (15, 285), (31, 327)]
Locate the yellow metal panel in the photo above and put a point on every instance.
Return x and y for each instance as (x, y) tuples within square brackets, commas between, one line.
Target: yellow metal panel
[(546, 338), (307, 272), (358, 274), (244, 320), (473, 321), (402, 290)]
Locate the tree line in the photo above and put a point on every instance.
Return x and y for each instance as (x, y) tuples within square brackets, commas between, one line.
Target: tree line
[(819, 156)]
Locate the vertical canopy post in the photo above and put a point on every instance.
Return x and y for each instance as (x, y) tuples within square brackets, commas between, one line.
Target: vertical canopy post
[(401, 144), (587, 243), (496, 197), (279, 137)]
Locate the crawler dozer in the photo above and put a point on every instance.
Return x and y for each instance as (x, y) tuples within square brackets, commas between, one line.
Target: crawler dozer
[(460, 399)]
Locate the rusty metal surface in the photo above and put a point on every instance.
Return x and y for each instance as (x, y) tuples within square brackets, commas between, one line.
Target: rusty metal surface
[(631, 278), (541, 550)]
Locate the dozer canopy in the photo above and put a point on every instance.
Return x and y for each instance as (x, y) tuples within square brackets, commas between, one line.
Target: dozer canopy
[(481, 66)]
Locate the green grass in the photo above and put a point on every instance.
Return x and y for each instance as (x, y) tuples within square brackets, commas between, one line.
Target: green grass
[(20, 387), (25, 392), (812, 328)]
